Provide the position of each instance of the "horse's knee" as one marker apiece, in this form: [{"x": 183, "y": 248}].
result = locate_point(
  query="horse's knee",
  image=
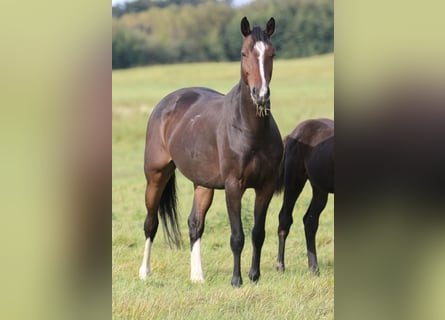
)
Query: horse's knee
[
  {"x": 237, "y": 242},
  {"x": 258, "y": 236},
  {"x": 285, "y": 221}
]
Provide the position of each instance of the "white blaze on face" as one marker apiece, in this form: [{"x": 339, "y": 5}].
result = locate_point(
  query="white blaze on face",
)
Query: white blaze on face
[
  {"x": 261, "y": 47},
  {"x": 196, "y": 274},
  {"x": 144, "y": 270}
]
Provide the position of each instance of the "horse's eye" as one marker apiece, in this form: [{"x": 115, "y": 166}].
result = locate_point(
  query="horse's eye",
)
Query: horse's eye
[{"x": 243, "y": 54}]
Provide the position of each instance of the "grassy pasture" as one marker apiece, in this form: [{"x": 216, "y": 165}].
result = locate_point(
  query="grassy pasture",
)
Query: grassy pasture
[{"x": 300, "y": 89}]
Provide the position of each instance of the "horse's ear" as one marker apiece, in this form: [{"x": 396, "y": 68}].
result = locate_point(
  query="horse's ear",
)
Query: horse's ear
[
  {"x": 245, "y": 27},
  {"x": 270, "y": 27}
]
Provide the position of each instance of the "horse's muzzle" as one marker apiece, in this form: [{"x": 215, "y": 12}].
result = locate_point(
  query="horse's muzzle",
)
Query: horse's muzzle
[{"x": 259, "y": 96}]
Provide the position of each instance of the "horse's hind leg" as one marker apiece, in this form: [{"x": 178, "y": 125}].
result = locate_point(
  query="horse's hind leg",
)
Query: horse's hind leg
[
  {"x": 201, "y": 203},
  {"x": 310, "y": 220},
  {"x": 156, "y": 182},
  {"x": 294, "y": 183}
]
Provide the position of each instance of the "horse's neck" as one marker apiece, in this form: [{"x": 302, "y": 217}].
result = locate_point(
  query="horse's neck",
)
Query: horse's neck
[{"x": 242, "y": 111}]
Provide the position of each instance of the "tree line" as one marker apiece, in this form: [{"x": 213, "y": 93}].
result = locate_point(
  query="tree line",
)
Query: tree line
[{"x": 154, "y": 32}]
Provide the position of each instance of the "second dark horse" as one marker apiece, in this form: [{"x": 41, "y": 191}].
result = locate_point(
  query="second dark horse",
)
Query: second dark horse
[{"x": 308, "y": 155}]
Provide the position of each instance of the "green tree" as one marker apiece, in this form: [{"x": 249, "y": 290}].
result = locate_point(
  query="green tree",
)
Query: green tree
[
  {"x": 202, "y": 30},
  {"x": 126, "y": 46}
]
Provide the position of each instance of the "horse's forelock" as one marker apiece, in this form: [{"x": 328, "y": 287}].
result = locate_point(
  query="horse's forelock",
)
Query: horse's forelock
[{"x": 259, "y": 35}]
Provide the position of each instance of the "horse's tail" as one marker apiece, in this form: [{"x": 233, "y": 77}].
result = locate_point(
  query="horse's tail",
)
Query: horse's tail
[
  {"x": 169, "y": 214},
  {"x": 279, "y": 186}
]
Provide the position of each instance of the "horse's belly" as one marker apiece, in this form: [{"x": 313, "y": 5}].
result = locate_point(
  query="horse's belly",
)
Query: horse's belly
[
  {"x": 198, "y": 161},
  {"x": 205, "y": 173}
]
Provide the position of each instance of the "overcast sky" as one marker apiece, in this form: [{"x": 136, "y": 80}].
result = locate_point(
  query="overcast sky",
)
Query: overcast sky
[{"x": 236, "y": 2}]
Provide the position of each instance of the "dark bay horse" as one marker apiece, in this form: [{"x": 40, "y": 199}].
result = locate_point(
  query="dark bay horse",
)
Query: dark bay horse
[
  {"x": 308, "y": 155},
  {"x": 217, "y": 141}
]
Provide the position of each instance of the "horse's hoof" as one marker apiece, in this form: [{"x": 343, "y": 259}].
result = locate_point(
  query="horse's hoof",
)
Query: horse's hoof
[
  {"x": 279, "y": 267},
  {"x": 143, "y": 273},
  {"x": 254, "y": 276},
  {"x": 237, "y": 282},
  {"x": 314, "y": 271},
  {"x": 197, "y": 279}
]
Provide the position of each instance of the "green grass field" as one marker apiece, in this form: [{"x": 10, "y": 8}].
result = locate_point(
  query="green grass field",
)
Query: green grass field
[{"x": 300, "y": 89}]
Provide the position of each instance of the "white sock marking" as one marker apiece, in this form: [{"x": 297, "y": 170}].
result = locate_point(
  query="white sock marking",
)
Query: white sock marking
[
  {"x": 196, "y": 274},
  {"x": 144, "y": 270},
  {"x": 260, "y": 46}
]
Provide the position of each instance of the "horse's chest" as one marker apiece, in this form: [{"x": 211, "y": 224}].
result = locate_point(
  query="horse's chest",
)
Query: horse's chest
[{"x": 257, "y": 167}]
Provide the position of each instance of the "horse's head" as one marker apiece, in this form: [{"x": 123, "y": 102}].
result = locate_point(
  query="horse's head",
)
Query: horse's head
[{"x": 257, "y": 55}]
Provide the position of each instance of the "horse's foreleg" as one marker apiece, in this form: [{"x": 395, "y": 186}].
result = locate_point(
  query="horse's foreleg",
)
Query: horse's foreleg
[
  {"x": 233, "y": 201},
  {"x": 310, "y": 220},
  {"x": 262, "y": 200},
  {"x": 293, "y": 187},
  {"x": 201, "y": 203}
]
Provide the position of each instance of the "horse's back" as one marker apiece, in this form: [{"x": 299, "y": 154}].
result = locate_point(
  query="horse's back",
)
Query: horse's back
[
  {"x": 185, "y": 99},
  {"x": 313, "y": 131},
  {"x": 180, "y": 107},
  {"x": 314, "y": 140}
]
